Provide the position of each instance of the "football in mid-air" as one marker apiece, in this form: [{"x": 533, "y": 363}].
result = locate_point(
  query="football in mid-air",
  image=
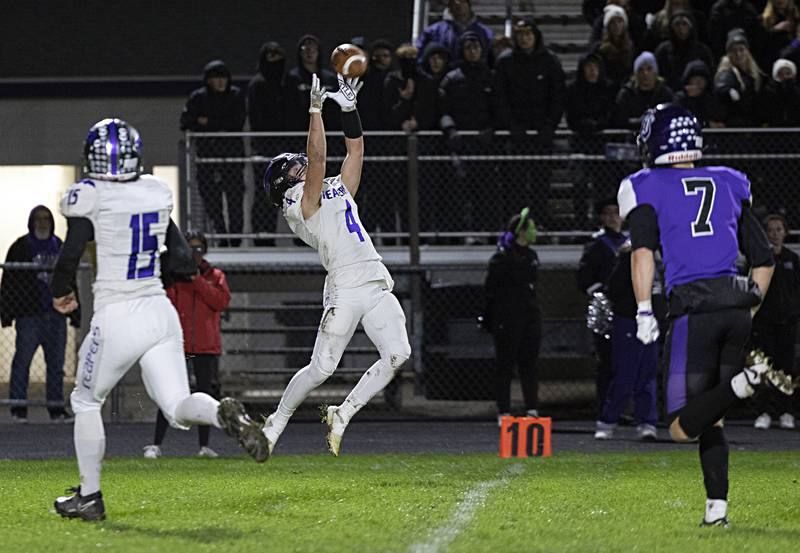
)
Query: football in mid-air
[{"x": 349, "y": 60}]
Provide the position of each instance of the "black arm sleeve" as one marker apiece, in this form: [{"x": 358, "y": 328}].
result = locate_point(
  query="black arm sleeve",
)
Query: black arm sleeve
[
  {"x": 79, "y": 231},
  {"x": 351, "y": 124},
  {"x": 752, "y": 240},
  {"x": 644, "y": 227},
  {"x": 178, "y": 259}
]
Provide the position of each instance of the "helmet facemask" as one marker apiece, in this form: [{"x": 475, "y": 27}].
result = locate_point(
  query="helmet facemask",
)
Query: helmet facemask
[{"x": 112, "y": 151}]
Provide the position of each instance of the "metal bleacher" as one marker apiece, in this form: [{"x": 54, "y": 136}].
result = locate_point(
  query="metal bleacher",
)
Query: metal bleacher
[{"x": 562, "y": 24}]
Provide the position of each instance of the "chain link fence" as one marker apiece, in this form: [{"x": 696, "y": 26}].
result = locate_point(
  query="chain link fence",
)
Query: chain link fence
[
  {"x": 464, "y": 192},
  {"x": 38, "y": 346}
]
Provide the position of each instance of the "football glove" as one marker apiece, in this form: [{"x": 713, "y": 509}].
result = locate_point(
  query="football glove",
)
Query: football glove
[
  {"x": 646, "y": 327},
  {"x": 318, "y": 95},
  {"x": 346, "y": 95}
]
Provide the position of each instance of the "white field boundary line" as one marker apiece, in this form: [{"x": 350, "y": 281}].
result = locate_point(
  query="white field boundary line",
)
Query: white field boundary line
[{"x": 475, "y": 498}]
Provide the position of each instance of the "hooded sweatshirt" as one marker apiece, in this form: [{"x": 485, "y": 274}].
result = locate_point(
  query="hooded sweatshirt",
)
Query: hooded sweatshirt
[
  {"x": 25, "y": 292},
  {"x": 465, "y": 93},
  {"x": 370, "y": 99},
  {"x": 704, "y": 106},
  {"x": 423, "y": 104},
  {"x": 590, "y": 106},
  {"x": 264, "y": 91},
  {"x": 447, "y": 32},
  {"x": 529, "y": 87},
  {"x": 673, "y": 55},
  {"x": 296, "y": 87},
  {"x": 225, "y": 110}
]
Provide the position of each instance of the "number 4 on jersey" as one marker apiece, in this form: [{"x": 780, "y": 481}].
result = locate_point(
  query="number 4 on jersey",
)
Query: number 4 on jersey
[{"x": 350, "y": 221}]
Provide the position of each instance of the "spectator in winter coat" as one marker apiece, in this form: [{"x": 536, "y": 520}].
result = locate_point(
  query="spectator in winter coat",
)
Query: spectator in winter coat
[
  {"x": 457, "y": 19},
  {"x": 779, "y": 101},
  {"x": 590, "y": 98},
  {"x": 529, "y": 86},
  {"x": 512, "y": 313},
  {"x": 465, "y": 93},
  {"x": 682, "y": 47},
  {"x": 265, "y": 114},
  {"x": 218, "y": 106},
  {"x": 616, "y": 48},
  {"x": 500, "y": 45},
  {"x": 25, "y": 298},
  {"x": 738, "y": 82},
  {"x": 661, "y": 28},
  {"x": 779, "y": 23},
  {"x": 727, "y": 15},
  {"x": 264, "y": 90},
  {"x": 409, "y": 93},
  {"x": 644, "y": 91},
  {"x": 775, "y": 325},
  {"x": 696, "y": 94},
  {"x": 370, "y": 99},
  {"x": 635, "y": 23},
  {"x": 199, "y": 303},
  {"x": 297, "y": 83}
]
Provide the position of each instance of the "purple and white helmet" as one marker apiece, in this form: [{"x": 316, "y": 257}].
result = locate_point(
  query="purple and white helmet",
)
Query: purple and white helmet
[
  {"x": 669, "y": 134},
  {"x": 112, "y": 151}
]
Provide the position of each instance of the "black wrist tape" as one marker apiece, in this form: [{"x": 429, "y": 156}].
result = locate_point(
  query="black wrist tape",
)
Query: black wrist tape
[{"x": 351, "y": 124}]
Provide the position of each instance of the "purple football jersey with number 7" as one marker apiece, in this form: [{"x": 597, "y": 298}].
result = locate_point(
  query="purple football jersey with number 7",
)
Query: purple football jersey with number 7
[{"x": 698, "y": 213}]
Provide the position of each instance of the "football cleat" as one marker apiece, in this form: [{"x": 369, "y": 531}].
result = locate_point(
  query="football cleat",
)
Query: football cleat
[
  {"x": 760, "y": 372},
  {"x": 722, "y": 522},
  {"x": 336, "y": 427},
  {"x": 90, "y": 508},
  {"x": 267, "y": 430},
  {"x": 236, "y": 423},
  {"x": 152, "y": 452},
  {"x": 207, "y": 452}
]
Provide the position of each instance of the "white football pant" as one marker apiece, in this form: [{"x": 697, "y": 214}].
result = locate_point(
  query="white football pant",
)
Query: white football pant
[{"x": 385, "y": 324}]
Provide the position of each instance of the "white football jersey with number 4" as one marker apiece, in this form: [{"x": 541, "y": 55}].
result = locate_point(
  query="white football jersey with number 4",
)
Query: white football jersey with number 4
[
  {"x": 335, "y": 231},
  {"x": 130, "y": 222}
]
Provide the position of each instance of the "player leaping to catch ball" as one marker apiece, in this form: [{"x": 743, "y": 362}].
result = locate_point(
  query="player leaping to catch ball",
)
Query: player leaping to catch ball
[
  {"x": 127, "y": 214},
  {"x": 700, "y": 218},
  {"x": 322, "y": 212}
]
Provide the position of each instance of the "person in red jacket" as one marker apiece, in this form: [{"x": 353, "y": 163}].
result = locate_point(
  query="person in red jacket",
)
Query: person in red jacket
[{"x": 199, "y": 302}]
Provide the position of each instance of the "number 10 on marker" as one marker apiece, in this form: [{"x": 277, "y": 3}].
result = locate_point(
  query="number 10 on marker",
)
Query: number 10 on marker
[{"x": 525, "y": 437}]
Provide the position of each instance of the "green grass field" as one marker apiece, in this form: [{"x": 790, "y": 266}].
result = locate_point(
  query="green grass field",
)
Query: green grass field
[{"x": 408, "y": 503}]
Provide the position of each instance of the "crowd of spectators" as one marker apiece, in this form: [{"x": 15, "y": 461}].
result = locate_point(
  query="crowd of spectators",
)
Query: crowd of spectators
[
  {"x": 725, "y": 58},
  {"x": 731, "y": 62}
]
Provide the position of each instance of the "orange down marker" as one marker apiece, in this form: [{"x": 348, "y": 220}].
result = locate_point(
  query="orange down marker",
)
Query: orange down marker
[{"x": 525, "y": 437}]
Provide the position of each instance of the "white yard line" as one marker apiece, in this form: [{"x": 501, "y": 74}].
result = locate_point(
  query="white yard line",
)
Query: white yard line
[{"x": 475, "y": 497}]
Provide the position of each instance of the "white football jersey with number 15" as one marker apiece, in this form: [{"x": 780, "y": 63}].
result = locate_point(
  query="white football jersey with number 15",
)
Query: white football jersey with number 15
[
  {"x": 130, "y": 222},
  {"x": 335, "y": 231}
]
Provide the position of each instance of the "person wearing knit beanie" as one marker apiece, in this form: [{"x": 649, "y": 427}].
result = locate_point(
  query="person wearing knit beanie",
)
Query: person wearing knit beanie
[
  {"x": 781, "y": 64},
  {"x": 611, "y": 11},
  {"x": 736, "y": 36},
  {"x": 645, "y": 58}
]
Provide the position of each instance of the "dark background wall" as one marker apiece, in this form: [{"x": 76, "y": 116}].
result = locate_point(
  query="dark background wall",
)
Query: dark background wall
[
  {"x": 175, "y": 38},
  {"x": 56, "y": 54}
]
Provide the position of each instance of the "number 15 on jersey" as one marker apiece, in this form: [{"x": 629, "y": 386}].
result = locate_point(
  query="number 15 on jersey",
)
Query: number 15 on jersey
[{"x": 143, "y": 241}]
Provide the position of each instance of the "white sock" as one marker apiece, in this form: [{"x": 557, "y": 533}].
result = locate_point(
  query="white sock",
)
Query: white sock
[
  {"x": 198, "y": 408},
  {"x": 373, "y": 381},
  {"x": 301, "y": 384},
  {"x": 716, "y": 509},
  {"x": 741, "y": 387},
  {"x": 90, "y": 446}
]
